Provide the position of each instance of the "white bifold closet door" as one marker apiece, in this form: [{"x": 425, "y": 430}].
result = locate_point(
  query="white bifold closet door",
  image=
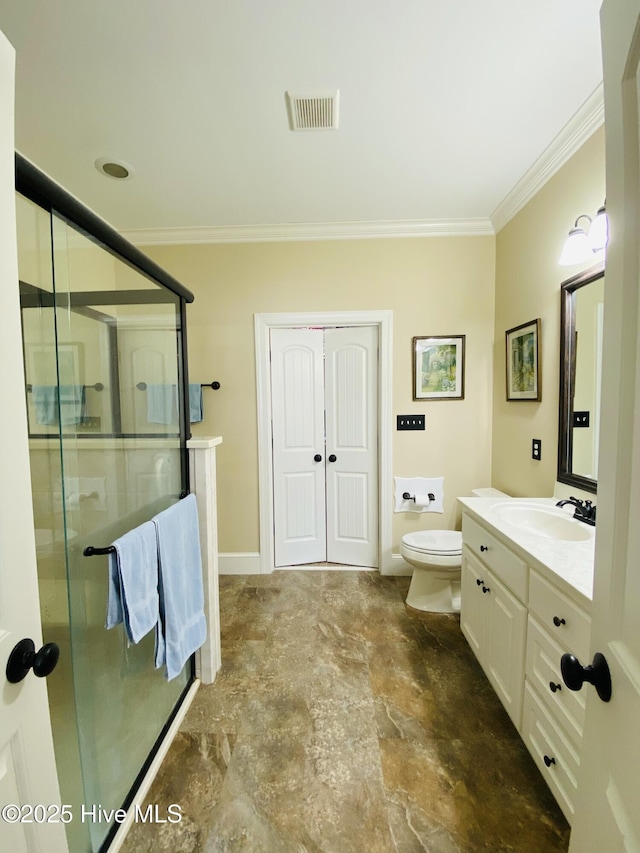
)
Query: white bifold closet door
[{"x": 324, "y": 385}]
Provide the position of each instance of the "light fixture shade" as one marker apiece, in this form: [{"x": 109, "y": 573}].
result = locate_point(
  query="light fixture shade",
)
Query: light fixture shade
[
  {"x": 599, "y": 231},
  {"x": 577, "y": 248}
]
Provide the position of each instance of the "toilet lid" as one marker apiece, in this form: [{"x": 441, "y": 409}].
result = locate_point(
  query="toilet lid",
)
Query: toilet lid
[{"x": 447, "y": 542}]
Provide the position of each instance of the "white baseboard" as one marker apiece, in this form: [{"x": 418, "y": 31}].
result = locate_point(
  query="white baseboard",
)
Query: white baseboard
[
  {"x": 239, "y": 563},
  {"x": 249, "y": 563},
  {"x": 398, "y": 567}
]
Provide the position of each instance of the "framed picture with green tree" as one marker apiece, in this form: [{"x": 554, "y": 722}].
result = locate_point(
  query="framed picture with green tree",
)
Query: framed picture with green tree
[
  {"x": 523, "y": 363},
  {"x": 438, "y": 367}
]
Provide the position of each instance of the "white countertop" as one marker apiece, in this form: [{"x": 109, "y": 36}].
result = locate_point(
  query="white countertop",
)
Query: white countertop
[{"x": 568, "y": 564}]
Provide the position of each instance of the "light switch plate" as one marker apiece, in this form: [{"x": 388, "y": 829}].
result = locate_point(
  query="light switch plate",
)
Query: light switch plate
[{"x": 410, "y": 422}]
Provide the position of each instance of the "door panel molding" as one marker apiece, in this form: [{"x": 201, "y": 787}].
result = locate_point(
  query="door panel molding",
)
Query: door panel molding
[{"x": 263, "y": 323}]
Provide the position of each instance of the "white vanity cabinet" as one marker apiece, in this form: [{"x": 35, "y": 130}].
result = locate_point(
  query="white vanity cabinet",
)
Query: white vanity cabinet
[
  {"x": 520, "y": 618},
  {"x": 553, "y": 715},
  {"x": 494, "y": 616}
]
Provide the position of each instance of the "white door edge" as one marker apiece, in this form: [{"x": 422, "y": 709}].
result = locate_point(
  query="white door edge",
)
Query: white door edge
[{"x": 263, "y": 323}]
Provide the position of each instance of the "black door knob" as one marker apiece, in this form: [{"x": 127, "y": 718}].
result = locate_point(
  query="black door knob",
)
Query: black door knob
[
  {"x": 24, "y": 657},
  {"x": 553, "y": 687},
  {"x": 333, "y": 457},
  {"x": 574, "y": 674},
  {"x": 549, "y": 761},
  {"x": 317, "y": 458},
  {"x": 557, "y": 621}
]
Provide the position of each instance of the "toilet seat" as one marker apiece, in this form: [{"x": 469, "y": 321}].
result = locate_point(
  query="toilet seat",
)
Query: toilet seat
[{"x": 437, "y": 543}]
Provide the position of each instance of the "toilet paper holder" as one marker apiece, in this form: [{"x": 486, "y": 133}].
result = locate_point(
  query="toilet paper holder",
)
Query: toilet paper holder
[{"x": 408, "y": 497}]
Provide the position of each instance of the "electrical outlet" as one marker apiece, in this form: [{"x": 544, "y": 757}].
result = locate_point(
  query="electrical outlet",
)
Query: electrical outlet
[
  {"x": 410, "y": 422},
  {"x": 581, "y": 419},
  {"x": 536, "y": 448}
]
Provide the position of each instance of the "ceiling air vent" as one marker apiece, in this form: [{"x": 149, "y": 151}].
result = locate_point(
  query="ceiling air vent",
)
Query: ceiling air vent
[{"x": 317, "y": 110}]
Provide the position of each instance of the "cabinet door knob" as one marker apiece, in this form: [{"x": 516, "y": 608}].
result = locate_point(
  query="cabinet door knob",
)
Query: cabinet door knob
[
  {"x": 557, "y": 621},
  {"x": 486, "y": 589},
  {"x": 479, "y": 582},
  {"x": 553, "y": 687},
  {"x": 333, "y": 457},
  {"x": 549, "y": 761},
  {"x": 484, "y": 547},
  {"x": 574, "y": 674},
  {"x": 317, "y": 458}
]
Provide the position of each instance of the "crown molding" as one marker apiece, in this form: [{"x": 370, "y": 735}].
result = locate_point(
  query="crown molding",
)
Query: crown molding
[
  {"x": 575, "y": 133},
  {"x": 310, "y": 231}
]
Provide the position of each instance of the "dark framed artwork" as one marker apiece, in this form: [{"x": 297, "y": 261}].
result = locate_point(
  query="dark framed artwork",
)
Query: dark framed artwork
[
  {"x": 523, "y": 361},
  {"x": 438, "y": 367}
]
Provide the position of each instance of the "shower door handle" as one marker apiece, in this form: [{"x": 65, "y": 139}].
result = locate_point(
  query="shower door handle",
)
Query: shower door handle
[{"x": 24, "y": 656}]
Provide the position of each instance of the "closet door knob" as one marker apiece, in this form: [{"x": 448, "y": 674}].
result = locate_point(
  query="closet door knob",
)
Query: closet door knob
[
  {"x": 333, "y": 457},
  {"x": 317, "y": 458},
  {"x": 24, "y": 656}
]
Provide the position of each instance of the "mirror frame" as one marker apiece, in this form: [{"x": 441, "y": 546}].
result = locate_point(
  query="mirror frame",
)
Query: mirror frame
[{"x": 567, "y": 377}]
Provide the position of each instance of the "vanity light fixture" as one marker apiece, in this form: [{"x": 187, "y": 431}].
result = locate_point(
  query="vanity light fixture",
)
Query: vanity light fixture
[{"x": 583, "y": 245}]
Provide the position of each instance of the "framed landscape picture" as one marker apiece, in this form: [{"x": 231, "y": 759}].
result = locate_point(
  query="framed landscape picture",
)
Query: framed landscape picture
[
  {"x": 523, "y": 373},
  {"x": 438, "y": 367}
]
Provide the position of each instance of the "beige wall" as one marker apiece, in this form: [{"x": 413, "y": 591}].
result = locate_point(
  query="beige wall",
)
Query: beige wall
[
  {"x": 528, "y": 280},
  {"x": 435, "y": 286}
]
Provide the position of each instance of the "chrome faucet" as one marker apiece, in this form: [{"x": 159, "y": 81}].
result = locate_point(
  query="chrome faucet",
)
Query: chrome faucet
[{"x": 584, "y": 510}]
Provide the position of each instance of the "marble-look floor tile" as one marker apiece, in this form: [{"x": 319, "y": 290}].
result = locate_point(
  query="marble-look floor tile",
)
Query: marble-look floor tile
[{"x": 343, "y": 721}]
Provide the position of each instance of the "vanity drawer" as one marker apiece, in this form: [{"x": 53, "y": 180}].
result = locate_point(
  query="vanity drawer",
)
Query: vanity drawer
[
  {"x": 542, "y": 670},
  {"x": 557, "y": 759},
  {"x": 510, "y": 569},
  {"x": 565, "y": 621}
]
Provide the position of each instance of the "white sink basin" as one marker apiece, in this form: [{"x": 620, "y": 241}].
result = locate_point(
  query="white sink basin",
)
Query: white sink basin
[{"x": 548, "y": 521}]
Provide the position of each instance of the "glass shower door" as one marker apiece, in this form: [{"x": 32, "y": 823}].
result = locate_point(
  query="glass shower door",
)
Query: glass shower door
[
  {"x": 103, "y": 360},
  {"x": 118, "y": 339}
]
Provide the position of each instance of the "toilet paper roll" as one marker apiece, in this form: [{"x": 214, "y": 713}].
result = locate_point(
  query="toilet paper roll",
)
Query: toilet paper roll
[{"x": 422, "y": 500}]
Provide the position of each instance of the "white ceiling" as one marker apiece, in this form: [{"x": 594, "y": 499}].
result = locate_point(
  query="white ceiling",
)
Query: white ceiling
[{"x": 444, "y": 106}]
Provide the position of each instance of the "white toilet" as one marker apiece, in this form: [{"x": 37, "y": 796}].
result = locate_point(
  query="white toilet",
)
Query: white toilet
[{"x": 436, "y": 557}]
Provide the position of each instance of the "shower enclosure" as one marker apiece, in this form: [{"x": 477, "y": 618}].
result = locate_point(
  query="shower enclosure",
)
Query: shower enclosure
[{"x": 106, "y": 388}]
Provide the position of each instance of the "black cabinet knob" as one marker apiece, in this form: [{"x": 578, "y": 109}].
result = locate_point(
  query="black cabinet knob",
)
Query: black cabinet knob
[
  {"x": 24, "y": 657},
  {"x": 574, "y": 674},
  {"x": 557, "y": 621},
  {"x": 553, "y": 687},
  {"x": 549, "y": 761},
  {"x": 332, "y": 458},
  {"x": 486, "y": 589},
  {"x": 484, "y": 547},
  {"x": 479, "y": 582},
  {"x": 317, "y": 458}
]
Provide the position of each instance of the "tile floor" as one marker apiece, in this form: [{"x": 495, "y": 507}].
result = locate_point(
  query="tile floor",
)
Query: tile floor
[{"x": 344, "y": 722}]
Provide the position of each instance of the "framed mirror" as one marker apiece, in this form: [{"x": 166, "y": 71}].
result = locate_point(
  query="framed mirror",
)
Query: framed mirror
[{"x": 581, "y": 319}]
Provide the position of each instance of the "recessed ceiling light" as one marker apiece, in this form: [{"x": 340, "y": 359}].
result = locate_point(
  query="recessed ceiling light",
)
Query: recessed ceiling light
[{"x": 114, "y": 168}]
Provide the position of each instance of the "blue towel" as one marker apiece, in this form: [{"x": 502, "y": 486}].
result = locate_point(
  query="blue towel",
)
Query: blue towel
[
  {"x": 72, "y": 404},
  {"x": 183, "y": 623},
  {"x": 195, "y": 402},
  {"x": 162, "y": 404},
  {"x": 45, "y": 400},
  {"x": 133, "y": 582}
]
